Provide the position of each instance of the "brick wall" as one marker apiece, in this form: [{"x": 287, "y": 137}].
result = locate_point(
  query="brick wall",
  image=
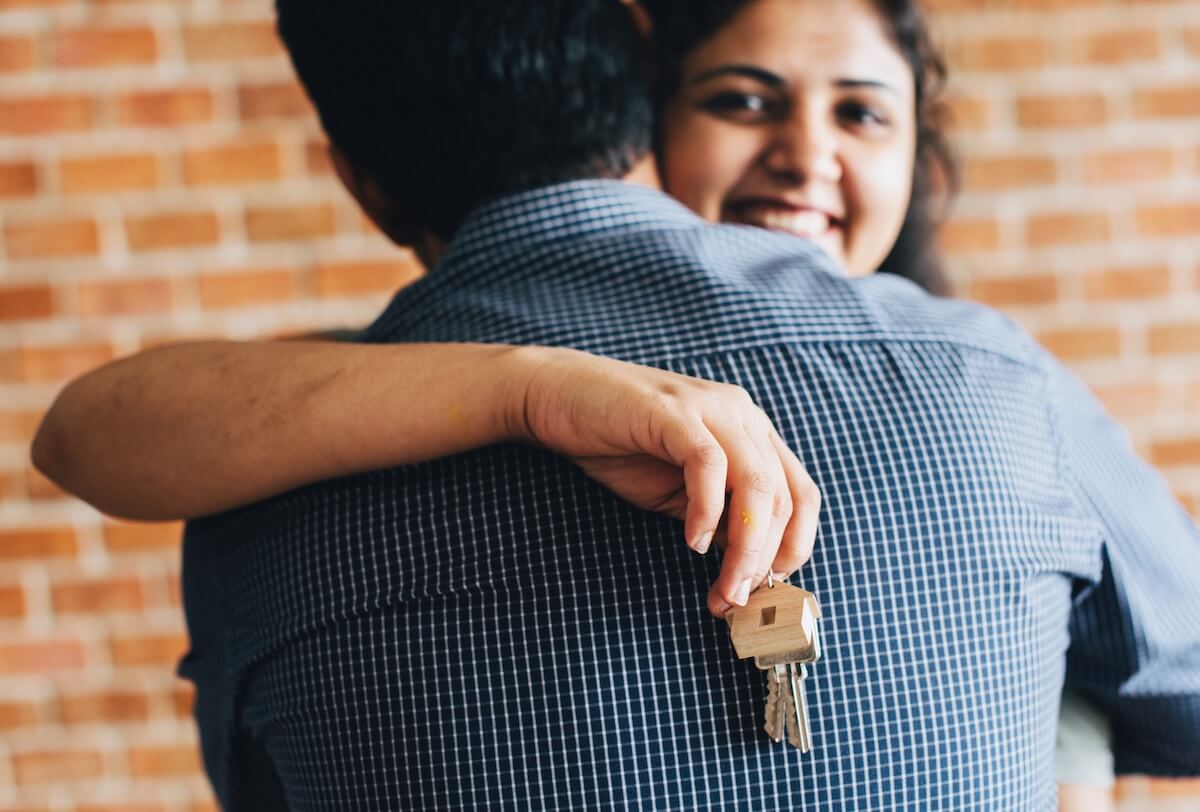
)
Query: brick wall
[{"x": 161, "y": 176}]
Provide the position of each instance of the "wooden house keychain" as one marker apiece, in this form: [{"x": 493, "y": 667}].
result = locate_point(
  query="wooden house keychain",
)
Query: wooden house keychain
[{"x": 778, "y": 628}]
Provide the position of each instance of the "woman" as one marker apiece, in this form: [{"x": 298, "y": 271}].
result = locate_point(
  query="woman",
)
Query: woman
[{"x": 815, "y": 118}]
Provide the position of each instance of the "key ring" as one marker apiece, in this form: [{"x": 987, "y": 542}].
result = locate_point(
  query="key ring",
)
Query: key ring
[{"x": 770, "y": 580}]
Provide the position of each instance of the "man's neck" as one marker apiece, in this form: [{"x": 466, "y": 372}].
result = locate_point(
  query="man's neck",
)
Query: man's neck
[
  {"x": 645, "y": 173},
  {"x": 429, "y": 247}
]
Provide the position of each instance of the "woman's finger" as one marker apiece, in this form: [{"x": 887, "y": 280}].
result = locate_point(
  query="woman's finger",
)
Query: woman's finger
[
  {"x": 705, "y": 465},
  {"x": 754, "y": 483},
  {"x": 782, "y": 510},
  {"x": 800, "y": 534}
]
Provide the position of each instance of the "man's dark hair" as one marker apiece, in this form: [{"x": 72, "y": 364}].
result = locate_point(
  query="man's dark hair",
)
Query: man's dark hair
[{"x": 447, "y": 103}]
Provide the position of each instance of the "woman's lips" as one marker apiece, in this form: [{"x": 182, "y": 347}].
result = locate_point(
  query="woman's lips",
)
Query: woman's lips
[
  {"x": 810, "y": 223},
  {"x": 801, "y": 221}
]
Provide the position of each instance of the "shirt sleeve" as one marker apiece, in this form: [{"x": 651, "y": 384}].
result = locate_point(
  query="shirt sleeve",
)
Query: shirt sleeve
[{"x": 1135, "y": 635}]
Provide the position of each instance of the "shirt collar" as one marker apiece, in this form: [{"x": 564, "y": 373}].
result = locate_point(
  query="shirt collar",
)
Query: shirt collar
[{"x": 563, "y": 211}]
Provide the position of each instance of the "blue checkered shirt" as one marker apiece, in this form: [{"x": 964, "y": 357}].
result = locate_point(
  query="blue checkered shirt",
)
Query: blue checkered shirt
[{"x": 495, "y": 630}]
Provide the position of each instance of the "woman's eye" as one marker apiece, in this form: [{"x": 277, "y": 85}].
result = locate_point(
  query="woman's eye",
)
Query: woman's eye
[
  {"x": 861, "y": 114},
  {"x": 738, "y": 106}
]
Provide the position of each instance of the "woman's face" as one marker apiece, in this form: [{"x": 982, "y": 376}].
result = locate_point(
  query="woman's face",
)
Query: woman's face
[{"x": 798, "y": 116}]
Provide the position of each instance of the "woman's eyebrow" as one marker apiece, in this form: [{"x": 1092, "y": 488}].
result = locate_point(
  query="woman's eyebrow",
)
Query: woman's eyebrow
[
  {"x": 749, "y": 71},
  {"x": 873, "y": 83}
]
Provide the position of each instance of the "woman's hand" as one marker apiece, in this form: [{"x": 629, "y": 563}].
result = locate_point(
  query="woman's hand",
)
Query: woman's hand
[{"x": 676, "y": 445}]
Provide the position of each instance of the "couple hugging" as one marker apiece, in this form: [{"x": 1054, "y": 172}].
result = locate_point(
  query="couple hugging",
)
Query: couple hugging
[{"x": 458, "y": 581}]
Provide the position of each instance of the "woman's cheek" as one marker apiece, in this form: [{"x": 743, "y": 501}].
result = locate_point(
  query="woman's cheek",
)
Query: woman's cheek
[{"x": 877, "y": 195}]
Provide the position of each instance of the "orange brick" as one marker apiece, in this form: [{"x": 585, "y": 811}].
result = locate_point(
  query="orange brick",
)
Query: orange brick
[
  {"x": 1054, "y": 229},
  {"x": 16, "y": 54},
  {"x": 58, "y": 363},
  {"x": 129, "y": 537},
  {"x": 98, "y": 47},
  {"x": 275, "y": 100},
  {"x": 1003, "y": 291},
  {"x": 18, "y": 179},
  {"x": 1082, "y": 110},
  {"x": 1129, "y": 400},
  {"x": 1191, "y": 39},
  {"x": 46, "y": 239},
  {"x": 18, "y": 427},
  {"x": 125, "y": 296},
  {"x": 274, "y": 223},
  {"x": 175, "y": 591},
  {"x": 163, "y": 761},
  {"x": 11, "y": 485},
  {"x": 34, "y": 657},
  {"x": 999, "y": 53},
  {"x": 235, "y": 164},
  {"x": 1177, "y": 101},
  {"x": 98, "y": 595},
  {"x": 969, "y": 236},
  {"x": 1172, "y": 220},
  {"x": 1083, "y": 343},
  {"x": 22, "y": 302},
  {"x": 1117, "y": 47},
  {"x": 171, "y": 230},
  {"x": 40, "y": 487},
  {"x": 220, "y": 290},
  {"x": 44, "y": 114},
  {"x": 37, "y": 545},
  {"x": 154, "y": 649},
  {"x": 183, "y": 699},
  {"x": 1010, "y": 171},
  {"x": 108, "y": 173},
  {"x": 105, "y": 706},
  {"x": 57, "y": 766},
  {"x": 364, "y": 277},
  {"x": 1127, "y": 283},
  {"x": 12, "y": 602},
  {"x": 1175, "y": 339},
  {"x": 1129, "y": 165},
  {"x": 969, "y": 112},
  {"x": 21, "y": 714},
  {"x": 165, "y": 108},
  {"x": 238, "y": 40},
  {"x": 1184, "y": 451}
]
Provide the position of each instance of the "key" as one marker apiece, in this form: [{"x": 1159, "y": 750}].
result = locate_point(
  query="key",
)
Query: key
[
  {"x": 799, "y": 733},
  {"x": 778, "y": 628},
  {"x": 776, "y": 708}
]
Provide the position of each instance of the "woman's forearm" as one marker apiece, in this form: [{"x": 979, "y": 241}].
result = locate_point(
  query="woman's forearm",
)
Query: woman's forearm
[{"x": 193, "y": 429}]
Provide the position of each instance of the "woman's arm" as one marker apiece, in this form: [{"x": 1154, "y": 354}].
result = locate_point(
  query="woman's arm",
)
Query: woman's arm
[{"x": 192, "y": 429}]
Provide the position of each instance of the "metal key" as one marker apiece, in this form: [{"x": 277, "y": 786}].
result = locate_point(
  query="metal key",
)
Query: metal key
[
  {"x": 776, "y": 720},
  {"x": 799, "y": 734},
  {"x": 778, "y": 627}
]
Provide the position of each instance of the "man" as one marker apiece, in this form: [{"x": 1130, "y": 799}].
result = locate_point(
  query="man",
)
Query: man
[{"x": 495, "y": 630}]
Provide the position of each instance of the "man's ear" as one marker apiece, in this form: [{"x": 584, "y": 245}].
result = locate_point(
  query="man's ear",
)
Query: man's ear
[{"x": 392, "y": 219}]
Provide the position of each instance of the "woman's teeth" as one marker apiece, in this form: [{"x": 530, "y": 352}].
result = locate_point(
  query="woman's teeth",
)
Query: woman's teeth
[{"x": 801, "y": 223}]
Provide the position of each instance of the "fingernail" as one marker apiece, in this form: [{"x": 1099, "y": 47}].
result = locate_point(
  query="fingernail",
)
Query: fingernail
[
  {"x": 743, "y": 593},
  {"x": 702, "y": 545}
]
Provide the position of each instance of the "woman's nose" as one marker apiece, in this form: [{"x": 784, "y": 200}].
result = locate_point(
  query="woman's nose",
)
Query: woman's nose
[{"x": 804, "y": 149}]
